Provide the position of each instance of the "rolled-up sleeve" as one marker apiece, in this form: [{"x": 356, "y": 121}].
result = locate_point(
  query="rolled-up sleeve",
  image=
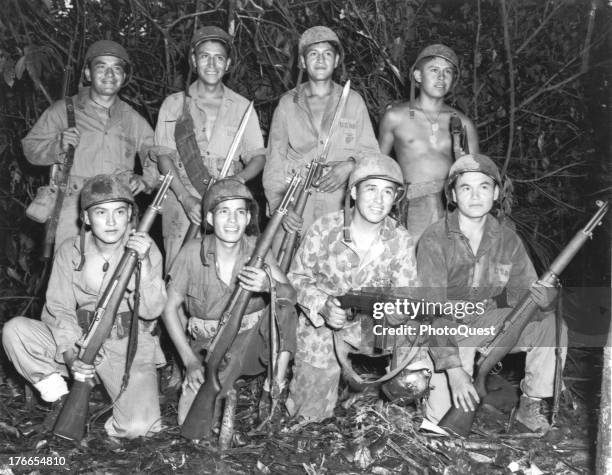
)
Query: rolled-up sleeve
[{"x": 165, "y": 144}]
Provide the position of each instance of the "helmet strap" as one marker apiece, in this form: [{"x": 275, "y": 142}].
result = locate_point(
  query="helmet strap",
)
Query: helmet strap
[{"x": 82, "y": 247}]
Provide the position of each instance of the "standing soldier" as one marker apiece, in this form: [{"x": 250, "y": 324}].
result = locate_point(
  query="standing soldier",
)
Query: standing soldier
[
  {"x": 203, "y": 278},
  {"x": 47, "y": 350},
  {"x": 376, "y": 252},
  {"x": 300, "y": 126},
  {"x": 418, "y": 132},
  {"x": 107, "y": 136},
  {"x": 194, "y": 132}
]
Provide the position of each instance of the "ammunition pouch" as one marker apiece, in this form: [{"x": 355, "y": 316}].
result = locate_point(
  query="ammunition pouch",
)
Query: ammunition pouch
[
  {"x": 121, "y": 326},
  {"x": 189, "y": 151}
]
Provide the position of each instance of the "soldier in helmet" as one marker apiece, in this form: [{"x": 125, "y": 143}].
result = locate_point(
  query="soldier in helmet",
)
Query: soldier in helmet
[
  {"x": 300, "y": 125},
  {"x": 194, "y": 132},
  {"x": 202, "y": 280},
  {"x": 46, "y": 351},
  {"x": 418, "y": 132},
  {"x": 471, "y": 257},
  {"x": 342, "y": 251},
  {"x": 107, "y": 136}
]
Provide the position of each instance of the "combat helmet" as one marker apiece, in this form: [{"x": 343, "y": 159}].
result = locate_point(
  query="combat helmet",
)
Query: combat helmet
[
  {"x": 211, "y": 33},
  {"x": 230, "y": 189},
  {"x": 313, "y": 35},
  {"x": 110, "y": 48},
  {"x": 98, "y": 190},
  {"x": 436, "y": 50},
  {"x": 377, "y": 165},
  {"x": 319, "y": 34},
  {"x": 371, "y": 165},
  {"x": 104, "y": 189},
  {"x": 472, "y": 162}
]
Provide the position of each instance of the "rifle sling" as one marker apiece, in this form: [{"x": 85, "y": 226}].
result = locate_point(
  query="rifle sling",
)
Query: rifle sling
[
  {"x": 133, "y": 337},
  {"x": 342, "y": 351},
  {"x": 188, "y": 149},
  {"x": 62, "y": 182}
]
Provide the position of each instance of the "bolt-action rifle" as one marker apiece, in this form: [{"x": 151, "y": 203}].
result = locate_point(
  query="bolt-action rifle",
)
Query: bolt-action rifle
[
  {"x": 71, "y": 421},
  {"x": 287, "y": 248},
  {"x": 200, "y": 418},
  {"x": 456, "y": 420}
]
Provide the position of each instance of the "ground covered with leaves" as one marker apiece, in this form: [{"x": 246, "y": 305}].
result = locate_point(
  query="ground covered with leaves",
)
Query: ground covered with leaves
[{"x": 366, "y": 435}]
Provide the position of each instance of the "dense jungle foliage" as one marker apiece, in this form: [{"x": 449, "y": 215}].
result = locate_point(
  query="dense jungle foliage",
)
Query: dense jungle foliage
[{"x": 534, "y": 78}]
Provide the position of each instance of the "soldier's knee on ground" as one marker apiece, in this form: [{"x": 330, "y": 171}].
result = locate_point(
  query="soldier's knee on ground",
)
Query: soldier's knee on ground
[{"x": 12, "y": 332}]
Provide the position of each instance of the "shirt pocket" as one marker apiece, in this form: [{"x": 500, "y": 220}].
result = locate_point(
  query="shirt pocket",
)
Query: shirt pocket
[
  {"x": 196, "y": 305},
  {"x": 347, "y": 130},
  {"x": 500, "y": 273}
]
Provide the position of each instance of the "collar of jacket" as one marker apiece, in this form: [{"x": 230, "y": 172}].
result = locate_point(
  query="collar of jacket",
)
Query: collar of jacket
[
  {"x": 299, "y": 93},
  {"x": 208, "y": 250},
  {"x": 83, "y": 101},
  {"x": 491, "y": 231},
  {"x": 386, "y": 233}
]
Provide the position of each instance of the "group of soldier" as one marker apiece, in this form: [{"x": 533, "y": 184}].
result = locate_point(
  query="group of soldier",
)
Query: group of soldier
[{"x": 464, "y": 255}]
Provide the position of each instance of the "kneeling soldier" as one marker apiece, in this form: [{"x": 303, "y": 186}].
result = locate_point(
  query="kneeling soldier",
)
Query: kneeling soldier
[
  {"x": 471, "y": 257},
  {"x": 362, "y": 247},
  {"x": 46, "y": 351},
  {"x": 203, "y": 278}
]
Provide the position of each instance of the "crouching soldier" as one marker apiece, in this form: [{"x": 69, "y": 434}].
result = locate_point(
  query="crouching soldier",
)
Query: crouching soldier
[
  {"x": 45, "y": 352},
  {"x": 343, "y": 251},
  {"x": 203, "y": 278},
  {"x": 472, "y": 257}
]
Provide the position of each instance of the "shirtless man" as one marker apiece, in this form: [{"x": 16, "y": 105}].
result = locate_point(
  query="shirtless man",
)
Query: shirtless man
[{"x": 418, "y": 132}]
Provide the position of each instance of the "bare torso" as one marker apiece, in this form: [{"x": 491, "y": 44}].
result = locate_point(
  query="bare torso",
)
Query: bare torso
[{"x": 422, "y": 145}]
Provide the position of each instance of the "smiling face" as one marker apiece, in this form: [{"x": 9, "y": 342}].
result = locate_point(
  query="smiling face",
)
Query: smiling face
[
  {"x": 435, "y": 76},
  {"x": 211, "y": 61},
  {"x": 319, "y": 60},
  {"x": 109, "y": 221},
  {"x": 474, "y": 193},
  {"x": 229, "y": 220},
  {"x": 106, "y": 74},
  {"x": 374, "y": 198}
]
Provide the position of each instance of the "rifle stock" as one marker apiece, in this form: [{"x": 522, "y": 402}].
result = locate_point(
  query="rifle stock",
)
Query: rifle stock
[
  {"x": 71, "y": 421},
  {"x": 201, "y": 416},
  {"x": 456, "y": 420}
]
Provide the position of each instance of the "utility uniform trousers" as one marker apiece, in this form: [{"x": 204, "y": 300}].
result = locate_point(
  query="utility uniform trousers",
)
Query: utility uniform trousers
[
  {"x": 30, "y": 345},
  {"x": 537, "y": 340}
]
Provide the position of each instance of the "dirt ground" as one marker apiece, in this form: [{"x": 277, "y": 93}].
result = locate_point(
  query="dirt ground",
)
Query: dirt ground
[{"x": 367, "y": 435}]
